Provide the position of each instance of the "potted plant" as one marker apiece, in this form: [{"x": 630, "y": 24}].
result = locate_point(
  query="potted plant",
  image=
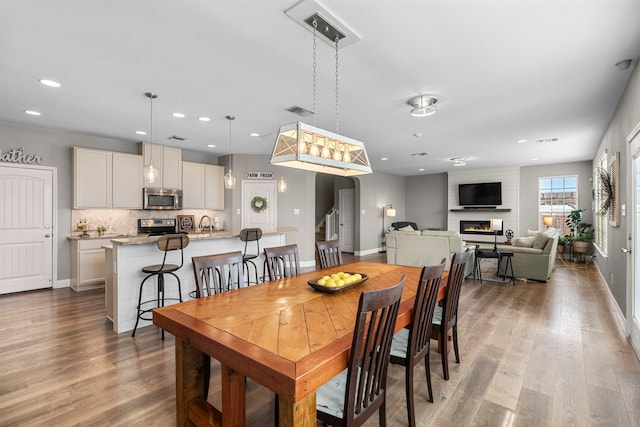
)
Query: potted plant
[
  {"x": 562, "y": 242},
  {"x": 582, "y": 233},
  {"x": 101, "y": 229}
]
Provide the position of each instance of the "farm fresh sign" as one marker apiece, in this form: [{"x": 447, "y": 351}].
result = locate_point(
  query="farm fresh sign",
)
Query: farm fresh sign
[{"x": 17, "y": 155}]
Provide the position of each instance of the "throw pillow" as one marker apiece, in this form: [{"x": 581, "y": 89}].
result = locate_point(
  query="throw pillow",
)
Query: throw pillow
[
  {"x": 540, "y": 241},
  {"x": 533, "y": 233},
  {"x": 524, "y": 242},
  {"x": 406, "y": 228}
]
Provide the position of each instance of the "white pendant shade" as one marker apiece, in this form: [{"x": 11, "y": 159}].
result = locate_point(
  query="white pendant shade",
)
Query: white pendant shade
[
  {"x": 150, "y": 172},
  {"x": 229, "y": 180},
  {"x": 282, "y": 185}
]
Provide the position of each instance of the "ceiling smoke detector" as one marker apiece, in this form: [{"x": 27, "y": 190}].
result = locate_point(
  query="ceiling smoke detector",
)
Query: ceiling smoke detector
[
  {"x": 302, "y": 112},
  {"x": 423, "y": 105}
]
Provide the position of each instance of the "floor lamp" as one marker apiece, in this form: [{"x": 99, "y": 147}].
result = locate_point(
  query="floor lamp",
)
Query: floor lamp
[
  {"x": 496, "y": 225},
  {"x": 387, "y": 211}
]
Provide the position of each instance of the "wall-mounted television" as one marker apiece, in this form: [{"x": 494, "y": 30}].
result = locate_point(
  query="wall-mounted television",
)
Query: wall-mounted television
[{"x": 480, "y": 194}]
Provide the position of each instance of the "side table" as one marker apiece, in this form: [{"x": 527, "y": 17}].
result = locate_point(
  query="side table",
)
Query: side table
[{"x": 500, "y": 256}]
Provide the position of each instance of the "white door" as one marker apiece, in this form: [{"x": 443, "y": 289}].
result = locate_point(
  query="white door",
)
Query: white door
[
  {"x": 26, "y": 229},
  {"x": 633, "y": 225},
  {"x": 255, "y": 216},
  {"x": 346, "y": 215}
]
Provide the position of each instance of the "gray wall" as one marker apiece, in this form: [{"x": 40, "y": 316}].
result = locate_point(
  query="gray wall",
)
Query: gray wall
[
  {"x": 529, "y": 185},
  {"x": 426, "y": 202},
  {"x": 624, "y": 120}
]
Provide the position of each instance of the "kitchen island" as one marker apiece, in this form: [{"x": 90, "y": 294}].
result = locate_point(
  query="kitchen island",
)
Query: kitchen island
[{"x": 125, "y": 258}]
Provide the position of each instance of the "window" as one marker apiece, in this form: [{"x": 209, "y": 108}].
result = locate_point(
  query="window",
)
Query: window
[
  {"x": 557, "y": 197},
  {"x": 600, "y": 219}
]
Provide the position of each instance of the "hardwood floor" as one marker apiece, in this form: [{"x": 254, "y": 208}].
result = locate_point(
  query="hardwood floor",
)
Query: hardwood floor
[{"x": 534, "y": 354}]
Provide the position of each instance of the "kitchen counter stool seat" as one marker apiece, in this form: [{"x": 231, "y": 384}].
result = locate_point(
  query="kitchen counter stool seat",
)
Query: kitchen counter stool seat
[{"x": 166, "y": 243}]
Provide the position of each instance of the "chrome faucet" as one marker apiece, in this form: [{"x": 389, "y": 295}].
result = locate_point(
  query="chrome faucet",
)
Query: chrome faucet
[{"x": 209, "y": 221}]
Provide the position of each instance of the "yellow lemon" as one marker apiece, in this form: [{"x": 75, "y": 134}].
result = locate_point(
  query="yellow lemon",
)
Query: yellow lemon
[
  {"x": 326, "y": 277},
  {"x": 340, "y": 282},
  {"x": 322, "y": 282},
  {"x": 335, "y": 276},
  {"x": 357, "y": 276},
  {"x": 330, "y": 284}
]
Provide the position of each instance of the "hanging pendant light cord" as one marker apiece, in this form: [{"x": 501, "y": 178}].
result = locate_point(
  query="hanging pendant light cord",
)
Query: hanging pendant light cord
[
  {"x": 337, "y": 120},
  {"x": 230, "y": 118},
  {"x": 315, "y": 27}
]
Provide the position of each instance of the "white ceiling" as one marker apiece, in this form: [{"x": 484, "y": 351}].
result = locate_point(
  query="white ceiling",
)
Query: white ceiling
[{"x": 503, "y": 71}]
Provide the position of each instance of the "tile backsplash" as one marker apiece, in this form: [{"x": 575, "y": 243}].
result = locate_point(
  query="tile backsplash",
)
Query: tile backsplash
[{"x": 125, "y": 221}]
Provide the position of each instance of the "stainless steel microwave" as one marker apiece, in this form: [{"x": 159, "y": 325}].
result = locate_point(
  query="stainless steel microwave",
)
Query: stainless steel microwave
[{"x": 161, "y": 198}]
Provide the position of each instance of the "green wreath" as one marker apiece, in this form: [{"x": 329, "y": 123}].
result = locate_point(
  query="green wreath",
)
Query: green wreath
[{"x": 258, "y": 204}]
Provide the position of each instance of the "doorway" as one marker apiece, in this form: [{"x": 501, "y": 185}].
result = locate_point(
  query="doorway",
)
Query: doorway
[
  {"x": 633, "y": 248},
  {"x": 254, "y": 214},
  {"x": 347, "y": 227},
  {"x": 27, "y": 216}
]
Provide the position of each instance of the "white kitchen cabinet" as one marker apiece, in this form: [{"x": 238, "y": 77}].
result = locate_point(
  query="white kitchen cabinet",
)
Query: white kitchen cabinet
[
  {"x": 127, "y": 181},
  {"x": 214, "y": 187},
  {"x": 168, "y": 160},
  {"x": 92, "y": 178},
  {"x": 203, "y": 186},
  {"x": 193, "y": 182},
  {"x": 87, "y": 264}
]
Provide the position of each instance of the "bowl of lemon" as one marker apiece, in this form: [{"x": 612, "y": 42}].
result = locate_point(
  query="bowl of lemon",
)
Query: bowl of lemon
[{"x": 337, "y": 282}]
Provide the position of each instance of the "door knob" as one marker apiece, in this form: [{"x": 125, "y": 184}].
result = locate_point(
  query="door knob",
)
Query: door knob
[
  {"x": 625, "y": 250},
  {"x": 47, "y": 235}
]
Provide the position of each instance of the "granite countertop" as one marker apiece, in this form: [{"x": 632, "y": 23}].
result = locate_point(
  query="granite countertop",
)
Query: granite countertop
[
  {"x": 141, "y": 240},
  {"x": 93, "y": 236}
]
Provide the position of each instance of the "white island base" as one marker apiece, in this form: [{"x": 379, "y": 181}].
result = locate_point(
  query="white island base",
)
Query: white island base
[{"x": 126, "y": 257}]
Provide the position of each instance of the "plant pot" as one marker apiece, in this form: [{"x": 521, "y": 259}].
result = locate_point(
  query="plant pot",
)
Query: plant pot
[
  {"x": 581, "y": 247},
  {"x": 561, "y": 249}
]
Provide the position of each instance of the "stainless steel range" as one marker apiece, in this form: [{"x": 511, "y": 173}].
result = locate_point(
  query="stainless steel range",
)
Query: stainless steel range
[{"x": 156, "y": 227}]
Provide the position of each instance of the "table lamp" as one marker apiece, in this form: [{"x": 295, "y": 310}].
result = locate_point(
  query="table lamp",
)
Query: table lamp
[
  {"x": 547, "y": 220},
  {"x": 496, "y": 225}
]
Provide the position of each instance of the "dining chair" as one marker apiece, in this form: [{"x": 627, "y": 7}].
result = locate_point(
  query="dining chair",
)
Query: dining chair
[
  {"x": 446, "y": 318},
  {"x": 282, "y": 261},
  {"x": 218, "y": 273},
  {"x": 355, "y": 394},
  {"x": 329, "y": 253},
  {"x": 411, "y": 345}
]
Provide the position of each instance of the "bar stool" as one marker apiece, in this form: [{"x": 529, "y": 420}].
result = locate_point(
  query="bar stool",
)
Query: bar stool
[
  {"x": 251, "y": 235},
  {"x": 166, "y": 243}
]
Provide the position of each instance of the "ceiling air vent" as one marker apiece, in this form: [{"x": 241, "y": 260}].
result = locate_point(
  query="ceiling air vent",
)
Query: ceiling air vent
[
  {"x": 177, "y": 138},
  {"x": 420, "y": 154},
  {"x": 546, "y": 140},
  {"x": 302, "y": 112}
]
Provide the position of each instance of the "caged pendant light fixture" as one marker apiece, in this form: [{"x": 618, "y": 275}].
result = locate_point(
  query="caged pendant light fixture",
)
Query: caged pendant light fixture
[
  {"x": 303, "y": 146},
  {"x": 150, "y": 171},
  {"x": 229, "y": 177}
]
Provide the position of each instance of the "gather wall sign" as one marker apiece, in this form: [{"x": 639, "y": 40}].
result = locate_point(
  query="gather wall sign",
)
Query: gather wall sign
[{"x": 17, "y": 155}]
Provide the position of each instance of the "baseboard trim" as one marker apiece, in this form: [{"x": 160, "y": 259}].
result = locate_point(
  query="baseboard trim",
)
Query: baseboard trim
[
  {"x": 367, "y": 252},
  {"x": 64, "y": 283}
]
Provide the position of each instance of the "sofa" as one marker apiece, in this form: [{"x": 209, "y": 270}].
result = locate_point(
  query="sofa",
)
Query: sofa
[
  {"x": 534, "y": 255},
  {"x": 426, "y": 247}
]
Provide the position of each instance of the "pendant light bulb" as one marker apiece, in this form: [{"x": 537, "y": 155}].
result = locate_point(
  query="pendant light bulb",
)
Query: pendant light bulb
[
  {"x": 229, "y": 177},
  {"x": 282, "y": 185}
]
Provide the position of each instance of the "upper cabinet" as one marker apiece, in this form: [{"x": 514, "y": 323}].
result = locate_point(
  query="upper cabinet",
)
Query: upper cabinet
[
  {"x": 127, "y": 181},
  {"x": 103, "y": 179},
  {"x": 168, "y": 160},
  {"x": 92, "y": 178},
  {"x": 203, "y": 186}
]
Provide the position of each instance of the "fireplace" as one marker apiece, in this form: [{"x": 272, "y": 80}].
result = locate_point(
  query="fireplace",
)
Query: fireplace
[{"x": 477, "y": 227}]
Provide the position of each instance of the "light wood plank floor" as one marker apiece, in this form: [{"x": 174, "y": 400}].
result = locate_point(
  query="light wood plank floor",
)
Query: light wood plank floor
[{"x": 534, "y": 354}]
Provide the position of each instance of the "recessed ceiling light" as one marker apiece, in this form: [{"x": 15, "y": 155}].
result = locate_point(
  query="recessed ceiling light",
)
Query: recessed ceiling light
[
  {"x": 384, "y": 158},
  {"x": 178, "y": 115},
  {"x": 254, "y": 134},
  {"x": 204, "y": 119},
  {"x": 421, "y": 170},
  {"x": 211, "y": 146},
  {"x": 459, "y": 161},
  {"x": 520, "y": 141},
  {"x": 141, "y": 132},
  {"x": 32, "y": 113},
  {"x": 534, "y": 159},
  {"x": 50, "y": 83},
  {"x": 417, "y": 134}
]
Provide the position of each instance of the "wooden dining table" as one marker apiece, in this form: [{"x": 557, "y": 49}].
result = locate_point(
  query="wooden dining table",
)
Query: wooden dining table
[{"x": 282, "y": 334}]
